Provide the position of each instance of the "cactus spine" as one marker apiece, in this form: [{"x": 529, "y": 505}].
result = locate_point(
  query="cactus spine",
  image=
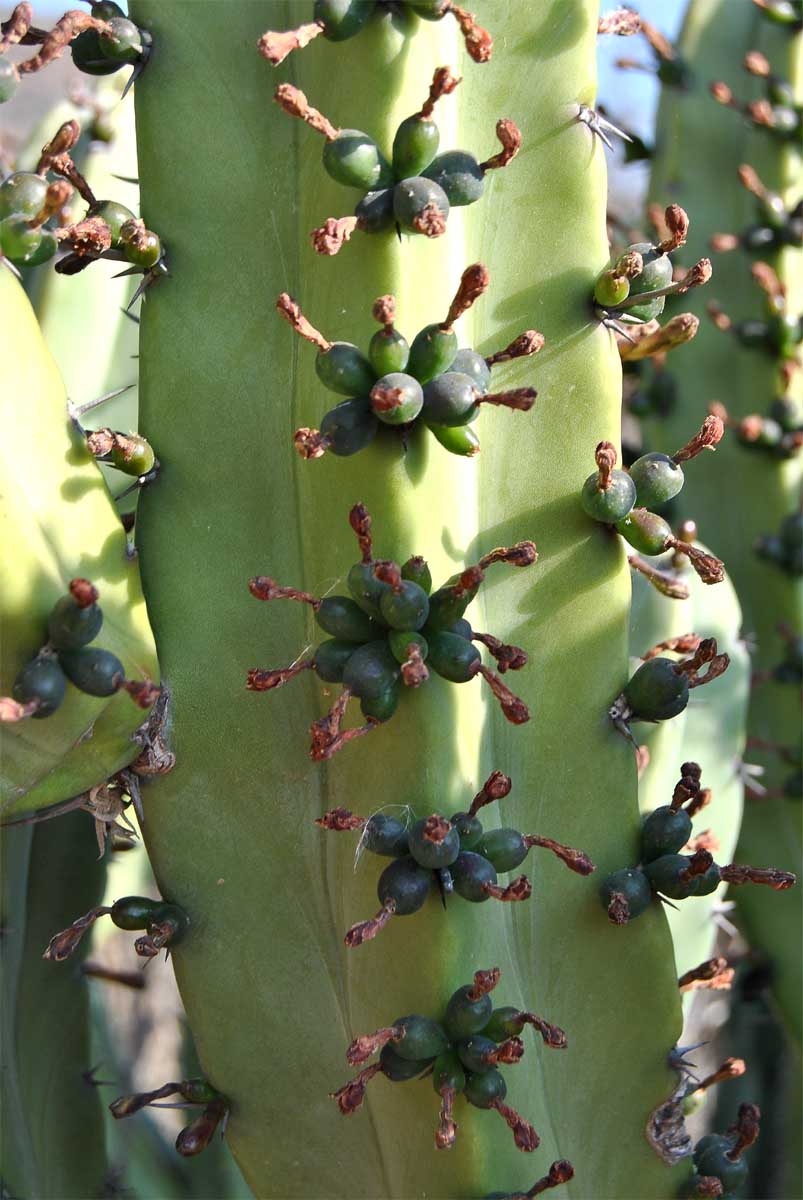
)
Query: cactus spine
[{"x": 271, "y": 995}]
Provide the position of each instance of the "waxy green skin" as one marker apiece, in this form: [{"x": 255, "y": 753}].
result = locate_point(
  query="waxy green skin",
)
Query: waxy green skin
[
  {"x": 236, "y": 145},
  {"x": 702, "y": 141}
]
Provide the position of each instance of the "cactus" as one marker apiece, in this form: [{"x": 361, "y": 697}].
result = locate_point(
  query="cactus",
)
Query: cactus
[
  {"x": 256, "y": 899},
  {"x": 730, "y": 50}
]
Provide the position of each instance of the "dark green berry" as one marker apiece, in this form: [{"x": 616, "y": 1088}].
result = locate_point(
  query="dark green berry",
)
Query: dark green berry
[
  {"x": 645, "y": 531},
  {"x": 450, "y": 399},
  {"x": 47, "y": 249},
  {"x": 414, "y": 146},
  {"x": 140, "y": 246},
  {"x": 466, "y": 1016},
  {"x": 714, "y": 1160},
  {"x": 612, "y": 504},
  {"x": 471, "y": 363},
  {"x": 417, "y": 570},
  {"x": 405, "y": 883},
  {"x": 40, "y": 681},
  {"x": 386, "y": 836},
  {"x": 9, "y": 82},
  {"x": 657, "y": 691},
  {"x": 664, "y": 831},
  {"x": 19, "y": 241},
  {"x": 92, "y": 670},
  {"x": 71, "y": 625},
  {"x": 433, "y": 854},
  {"x": 612, "y": 287},
  {"x": 708, "y": 882},
  {"x": 469, "y": 830},
  {"x": 115, "y": 215},
  {"x": 625, "y": 894},
  {"x": 122, "y": 42},
  {"x": 342, "y": 19},
  {"x": 656, "y": 273},
  {"x": 88, "y": 57},
  {"x": 366, "y": 589},
  {"x": 406, "y": 607},
  {"x": 400, "y": 641},
  {"x": 452, "y": 657},
  {"x": 354, "y": 159},
  {"x": 446, "y": 608},
  {"x": 473, "y": 1053},
  {"x": 374, "y": 212},
  {"x": 470, "y": 872},
  {"x": 345, "y": 369},
  {"x": 382, "y": 707},
  {"x": 485, "y": 1089},
  {"x": 457, "y": 439},
  {"x": 459, "y": 175},
  {"x": 397, "y": 399},
  {"x": 132, "y": 454},
  {"x": 388, "y": 351},
  {"x": 433, "y": 349},
  {"x": 504, "y": 1023},
  {"x": 134, "y": 912},
  {"x": 371, "y": 670},
  {"x": 505, "y": 849},
  {"x": 398, "y": 1069},
  {"x": 658, "y": 479},
  {"x": 420, "y": 206},
  {"x": 666, "y": 874},
  {"x": 331, "y": 658},
  {"x": 447, "y": 1072},
  {"x": 349, "y": 427},
  {"x": 343, "y": 619},
  {"x": 22, "y": 194},
  {"x": 423, "y": 1038}
]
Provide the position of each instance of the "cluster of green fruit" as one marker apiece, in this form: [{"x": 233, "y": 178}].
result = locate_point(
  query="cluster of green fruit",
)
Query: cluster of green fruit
[
  {"x": 779, "y": 333},
  {"x": 386, "y": 635},
  {"x": 777, "y": 434},
  {"x": 776, "y": 225},
  {"x": 453, "y": 854},
  {"x": 779, "y": 112},
  {"x": 339, "y": 20},
  {"x": 109, "y": 230},
  {"x": 784, "y": 548},
  {"x": 664, "y": 872},
  {"x": 634, "y": 288},
  {"x": 121, "y": 44},
  {"x": 196, "y": 1136},
  {"x": 624, "y": 499},
  {"x": 40, "y": 686},
  {"x": 166, "y": 925},
  {"x": 720, "y": 1169},
  {"x": 416, "y": 189},
  {"x": 398, "y": 384},
  {"x": 659, "y": 688},
  {"x": 461, "y": 1052}
]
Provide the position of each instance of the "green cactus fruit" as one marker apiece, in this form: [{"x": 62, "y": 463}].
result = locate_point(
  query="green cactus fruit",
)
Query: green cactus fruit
[
  {"x": 386, "y": 835},
  {"x": 419, "y": 205},
  {"x": 40, "y": 683},
  {"x": 75, "y": 619},
  {"x": 434, "y": 842},
  {"x": 397, "y": 399},
  {"x": 625, "y": 895},
  {"x": 471, "y": 873},
  {"x": 407, "y": 884},
  {"x": 665, "y": 831},
  {"x": 657, "y": 691},
  {"x": 9, "y": 80},
  {"x": 93, "y": 670},
  {"x": 114, "y": 214},
  {"x": 122, "y": 42},
  {"x": 22, "y": 193}
]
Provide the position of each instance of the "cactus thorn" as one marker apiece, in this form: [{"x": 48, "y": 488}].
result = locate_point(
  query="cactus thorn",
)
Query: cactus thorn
[{"x": 601, "y": 126}]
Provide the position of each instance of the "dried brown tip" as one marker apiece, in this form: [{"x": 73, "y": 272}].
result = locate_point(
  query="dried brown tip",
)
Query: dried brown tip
[
  {"x": 436, "y": 829},
  {"x": 761, "y": 113},
  {"x": 708, "y": 437},
  {"x": 529, "y": 342},
  {"x": 618, "y": 909},
  {"x": 275, "y": 47},
  {"x": 768, "y": 280},
  {"x": 687, "y": 786},
  {"x": 12, "y": 711},
  {"x": 779, "y": 881},
  {"x": 288, "y": 308},
  {"x": 709, "y": 1186},
  {"x": 517, "y": 399},
  {"x": 144, "y": 692},
  {"x": 63, "y": 944},
  {"x": 629, "y": 265},
  {"x": 560, "y": 1172},
  {"x": 699, "y": 802},
  {"x": 746, "y": 1128},
  {"x": 685, "y": 643},
  {"x": 553, "y": 1035},
  {"x": 383, "y": 310},
  {"x": 340, "y": 820},
  {"x": 605, "y": 457},
  {"x": 524, "y": 1135},
  {"x": 713, "y": 974},
  {"x": 509, "y": 135},
  {"x": 126, "y": 1106},
  {"x": 575, "y": 860},
  {"x": 522, "y": 554},
  {"x": 414, "y": 670},
  {"x": 720, "y": 319},
  {"x": 330, "y": 237},
  {"x": 661, "y": 45},
  {"x": 363, "y": 1047},
  {"x": 326, "y": 738},
  {"x": 496, "y": 787},
  {"x": 474, "y": 281},
  {"x": 88, "y": 238},
  {"x": 677, "y": 224},
  {"x": 196, "y": 1136},
  {"x": 478, "y": 41},
  {"x": 508, "y": 658},
  {"x": 750, "y": 180},
  {"x": 723, "y": 243},
  {"x": 310, "y": 443},
  {"x": 385, "y": 397},
  {"x": 57, "y": 39},
  {"x": 443, "y": 84},
  {"x": 83, "y": 592},
  {"x": 721, "y": 93},
  {"x": 351, "y": 1095},
  {"x": 651, "y": 338},
  {"x": 446, "y": 1132},
  {"x": 360, "y": 522},
  {"x": 696, "y": 276},
  {"x": 519, "y": 889},
  {"x": 484, "y": 982},
  {"x": 513, "y": 708},
  {"x": 293, "y": 101},
  {"x": 757, "y": 64},
  {"x": 622, "y": 22},
  {"x": 431, "y": 222},
  {"x": 707, "y": 567},
  {"x": 262, "y": 587},
  {"x": 60, "y": 145},
  {"x": 17, "y": 25},
  {"x": 698, "y": 864},
  {"x": 667, "y": 585},
  {"x": 731, "y": 1068},
  {"x": 261, "y": 680},
  {"x": 57, "y": 195},
  {"x": 642, "y": 760},
  {"x": 366, "y": 931}
]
